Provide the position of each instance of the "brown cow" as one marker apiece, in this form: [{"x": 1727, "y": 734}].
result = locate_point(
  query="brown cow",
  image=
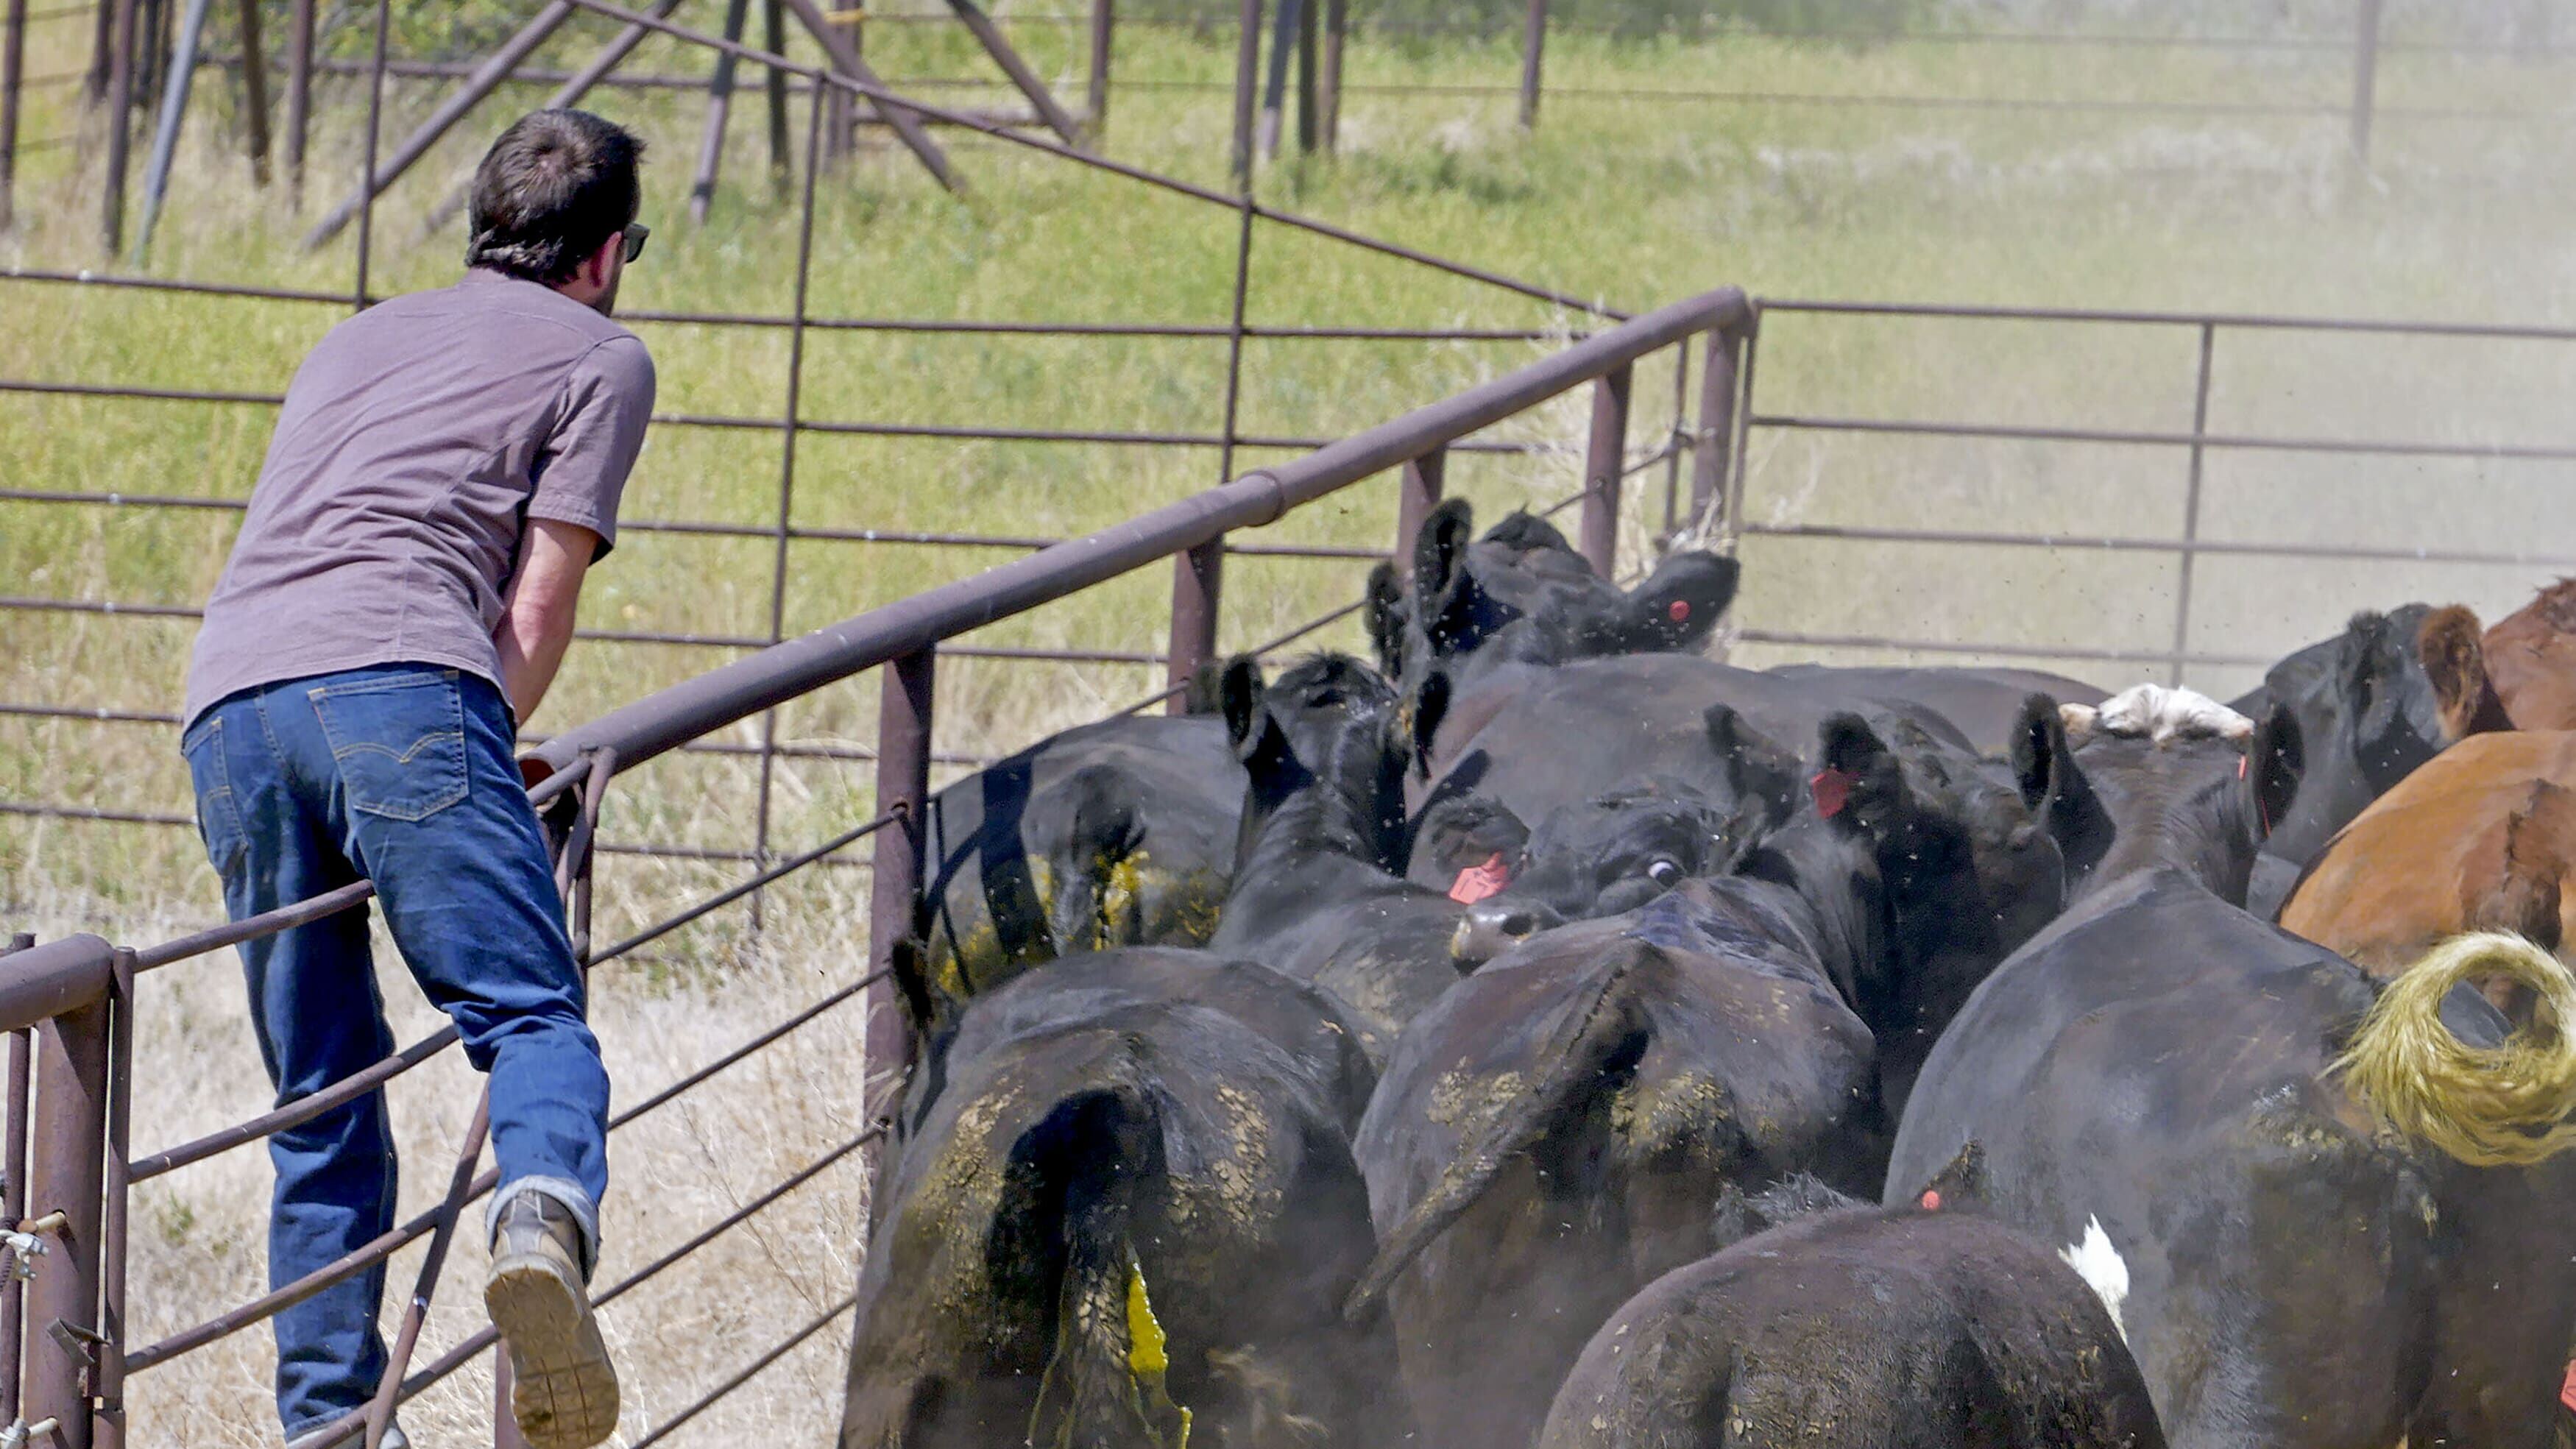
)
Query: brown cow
[
  {"x": 2531, "y": 660},
  {"x": 2480, "y": 837}
]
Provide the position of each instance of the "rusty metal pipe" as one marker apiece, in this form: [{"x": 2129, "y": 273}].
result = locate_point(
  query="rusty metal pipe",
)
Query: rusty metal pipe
[
  {"x": 1424, "y": 479},
  {"x": 68, "y": 1142},
  {"x": 1604, "y": 466},
  {"x": 660, "y": 722},
  {"x": 13, "y": 1208}
]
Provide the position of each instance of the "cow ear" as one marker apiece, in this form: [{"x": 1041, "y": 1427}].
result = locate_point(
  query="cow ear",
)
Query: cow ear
[
  {"x": 1858, "y": 785},
  {"x": 1386, "y": 618},
  {"x": 1441, "y": 546},
  {"x": 1239, "y": 692},
  {"x": 1681, "y": 601},
  {"x": 1757, "y": 769},
  {"x": 2043, "y": 762},
  {"x": 2452, "y": 648},
  {"x": 2274, "y": 761},
  {"x": 1430, "y": 707}
]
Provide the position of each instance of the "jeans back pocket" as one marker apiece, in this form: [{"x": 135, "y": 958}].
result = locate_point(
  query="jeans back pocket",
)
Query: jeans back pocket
[
  {"x": 399, "y": 742},
  {"x": 218, "y": 810}
]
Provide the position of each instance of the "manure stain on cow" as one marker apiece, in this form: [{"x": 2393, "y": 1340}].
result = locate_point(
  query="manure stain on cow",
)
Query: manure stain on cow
[
  {"x": 1460, "y": 1093},
  {"x": 971, "y": 1195},
  {"x": 1675, "y": 1113}
]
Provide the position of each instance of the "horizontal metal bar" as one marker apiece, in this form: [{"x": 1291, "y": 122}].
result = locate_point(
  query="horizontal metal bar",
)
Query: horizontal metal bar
[
  {"x": 674, "y": 1089},
  {"x": 658, "y": 723},
  {"x": 251, "y": 928},
  {"x": 54, "y": 977},
  {"x": 303, "y": 1109},
  {"x": 85, "y": 812},
  {"x": 734, "y": 893},
  {"x": 2252, "y": 320},
  {"x": 348, "y": 1265},
  {"x": 2011, "y": 432},
  {"x": 786, "y": 1346},
  {"x": 737, "y": 1217},
  {"x": 87, "y": 715},
  {"x": 961, "y": 326},
  {"x": 2014, "y": 651},
  {"x": 2111, "y": 544}
]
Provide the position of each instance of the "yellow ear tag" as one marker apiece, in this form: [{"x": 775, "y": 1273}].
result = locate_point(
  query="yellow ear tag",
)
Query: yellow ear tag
[{"x": 1148, "y": 1352}]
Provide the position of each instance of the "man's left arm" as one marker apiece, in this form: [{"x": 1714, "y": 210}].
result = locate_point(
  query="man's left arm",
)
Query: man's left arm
[
  {"x": 572, "y": 516},
  {"x": 537, "y": 617}
]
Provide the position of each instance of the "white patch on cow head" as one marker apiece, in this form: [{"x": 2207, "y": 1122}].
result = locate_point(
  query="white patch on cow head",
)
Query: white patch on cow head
[
  {"x": 2102, "y": 1267},
  {"x": 2153, "y": 712}
]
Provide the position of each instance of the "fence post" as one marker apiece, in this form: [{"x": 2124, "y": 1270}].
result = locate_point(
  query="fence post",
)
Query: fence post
[
  {"x": 299, "y": 97},
  {"x": 1247, "y": 78},
  {"x": 1712, "y": 452},
  {"x": 1533, "y": 45},
  {"x": 1198, "y": 580},
  {"x": 2191, "y": 504},
  {"x": 109, "y": 1425},
  {"x": 1424, "y": 478},
  {"x": 13, "y": 69},
  {"x": 702, "y": 191},
  {"x": 1309, "y": 125},
  {"x": 69, "y": 1151},
  {"x": 1603, "y": 462},
  {"x": 2365, "y": 77},
  {"x": 254, "y": 92},
  {"x": 1104, "y": 21},
  {"x": 903, "y": 783},
  {"x": 120, "y": 125},
  {"x": 1328, "y": 86},
  {"x": 13, "y": 1205}
]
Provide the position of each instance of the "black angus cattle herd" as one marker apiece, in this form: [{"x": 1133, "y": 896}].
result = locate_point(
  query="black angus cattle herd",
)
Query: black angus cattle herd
[{"x": 1551, "y": 1036}]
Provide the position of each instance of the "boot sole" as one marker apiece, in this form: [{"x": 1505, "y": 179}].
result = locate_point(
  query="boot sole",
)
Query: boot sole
[{"x": 564, "y": 1389}]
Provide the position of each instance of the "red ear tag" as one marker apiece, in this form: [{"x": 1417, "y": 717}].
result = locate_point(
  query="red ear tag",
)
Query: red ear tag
[
  {"x": 1832, "y": 791},
  {"x": 1678, "y": 611},
  {"x": 2567, "y": 1388},
  {"x": 1931, "y": 1200},
  {"x": 2240, "y": 768},
  {"x": 1479, "y": 881}
]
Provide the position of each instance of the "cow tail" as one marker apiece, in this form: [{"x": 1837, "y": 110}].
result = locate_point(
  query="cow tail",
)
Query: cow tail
[
  {"x": 1104, "y": 1379},
  {"x": 2503, "y": 1106},
  {"x": 1584, "y": 1037}
]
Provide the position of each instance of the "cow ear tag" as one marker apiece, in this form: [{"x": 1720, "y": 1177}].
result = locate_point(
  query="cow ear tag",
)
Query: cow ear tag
[
  {"x": 1832, "y": 791},
  {"x": 1931, "y": 1200},
  {"x": 1678, "y": 611},
  {"x": 1479, "y": 881}
]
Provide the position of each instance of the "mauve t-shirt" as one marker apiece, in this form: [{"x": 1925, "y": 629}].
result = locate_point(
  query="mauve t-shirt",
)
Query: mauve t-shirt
[{"x": 414, "y": 443}]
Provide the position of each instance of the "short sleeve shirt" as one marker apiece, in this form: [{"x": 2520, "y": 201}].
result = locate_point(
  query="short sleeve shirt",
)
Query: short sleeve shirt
[{"x": 414, "y": 444}]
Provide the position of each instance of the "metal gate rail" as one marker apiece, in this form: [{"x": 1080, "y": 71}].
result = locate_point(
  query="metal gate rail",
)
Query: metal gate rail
[{"x": 72, "y": 1000}]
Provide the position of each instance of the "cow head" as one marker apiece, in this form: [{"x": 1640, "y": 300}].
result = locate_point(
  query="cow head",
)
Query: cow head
[
  {"x": 1521, "y": 594},
  {"x": 1329, "y": 730},
  {"x": 1612, "y": 853},
  {"x": 2153, "y": 779},
  {"x": 2373, "y": 703},
  {"x": 1964, "y": 873}
]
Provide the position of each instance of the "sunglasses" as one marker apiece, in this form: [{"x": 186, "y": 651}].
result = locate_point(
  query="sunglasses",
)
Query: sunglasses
[{"x": 636, "y": 233}]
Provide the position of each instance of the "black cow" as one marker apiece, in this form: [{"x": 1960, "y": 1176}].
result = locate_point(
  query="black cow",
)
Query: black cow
[
  {"x": 1520, "y": 595},
  {"x": 1984, "y": 704},
  {"x": 1124, "y": 1200},
  {"x": 1114, "y": 834},
  {"x": 2385, "y": 695},
  {"x": 1536, "y": 740},
  {"x": 1317, "y": 891},
  {"x": 1860, "y": 1327},
  {"x": 2151, "y": 1083},
  {"x": 1571, "y": 1108}
]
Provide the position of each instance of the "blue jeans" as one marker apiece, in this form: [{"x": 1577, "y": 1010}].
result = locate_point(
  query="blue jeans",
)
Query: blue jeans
[{"x": 402, "y": 774}]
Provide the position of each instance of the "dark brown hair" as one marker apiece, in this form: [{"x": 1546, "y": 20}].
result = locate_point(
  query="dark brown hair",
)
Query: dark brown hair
[{"x": 550, "y": 191}]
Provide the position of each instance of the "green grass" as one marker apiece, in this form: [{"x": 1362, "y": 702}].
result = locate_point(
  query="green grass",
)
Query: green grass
[{"x": 1629, "y": 201}]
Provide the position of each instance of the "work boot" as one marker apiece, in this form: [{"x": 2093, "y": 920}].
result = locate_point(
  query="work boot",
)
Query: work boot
[{"x": 564, "y": 1389}]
